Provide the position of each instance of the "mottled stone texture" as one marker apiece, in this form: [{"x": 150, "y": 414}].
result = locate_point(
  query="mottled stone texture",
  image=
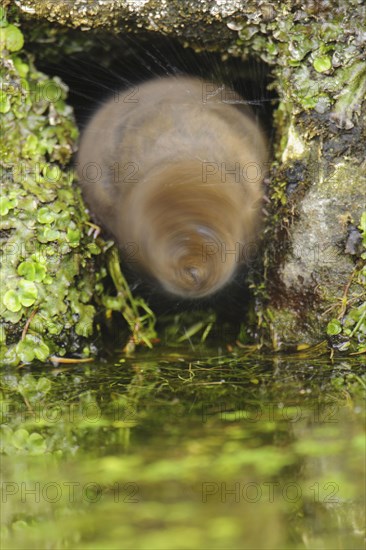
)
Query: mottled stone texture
[{"x": 317, "y": 189}]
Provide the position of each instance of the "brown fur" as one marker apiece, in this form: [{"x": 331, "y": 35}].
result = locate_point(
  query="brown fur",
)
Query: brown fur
[{"x": 159, "y": 174}]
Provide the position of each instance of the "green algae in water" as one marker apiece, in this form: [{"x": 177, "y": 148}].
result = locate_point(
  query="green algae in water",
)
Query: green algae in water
[{"x": 172, "y": 450}]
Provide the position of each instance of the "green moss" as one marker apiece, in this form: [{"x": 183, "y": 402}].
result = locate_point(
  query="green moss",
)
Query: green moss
[
  {"x": 348, "y": 331},
  {"x": 317, "y": 55},
  {"x": 47, "y": 274},
  {"x": 138, "y": 315},
  {"x": 320, "y": 77}
]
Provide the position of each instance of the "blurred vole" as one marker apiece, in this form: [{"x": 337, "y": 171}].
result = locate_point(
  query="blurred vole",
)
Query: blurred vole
[{"x": 174, "y": 169}]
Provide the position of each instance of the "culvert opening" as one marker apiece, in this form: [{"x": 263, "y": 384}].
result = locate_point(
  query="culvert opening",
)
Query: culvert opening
[{"x": 104, "y": 65}]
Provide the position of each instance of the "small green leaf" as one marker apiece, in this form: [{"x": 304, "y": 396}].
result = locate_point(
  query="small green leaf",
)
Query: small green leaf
[
  {"x": 334, "y": 327},
  {"x": 51, "y": 234},
  {"x": 30, "y": 147},
  {"x": 50, "y": 91},
  {"x": 6, "y": 204},
  {"x": 27, "y": 293},
  {"x": 11, "y": 301},
  {"x": 73, "y": 236},
  {"x": 13, "y": 38},
  {"x": 32, "y": 271},
  {"x": 33, "y": 347},
  {"x": 21, "y": 67},
  {"x": 322, "y": 63},
  {"x": 25, "y": 351},
  {"x": 93, "y": 248},
  {"x": 52, "y": 173},
  {"x": 309, "y": 102},
  {"x": 27, "y": 270},
  {"x": 42, "y": 352},
  {"x": 4, "y": 102},
  {"x": 84, "y": 327},
  {"x": 45, "y": 215},
  {"x": 41, "y": 272}
]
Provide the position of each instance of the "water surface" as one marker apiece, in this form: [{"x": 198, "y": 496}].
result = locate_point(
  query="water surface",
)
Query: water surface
[{"x": 171, "y": 449}]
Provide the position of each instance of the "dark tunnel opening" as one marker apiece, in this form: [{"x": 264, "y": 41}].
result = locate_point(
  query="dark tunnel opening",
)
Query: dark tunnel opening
[{"x": 109, "y": 63}]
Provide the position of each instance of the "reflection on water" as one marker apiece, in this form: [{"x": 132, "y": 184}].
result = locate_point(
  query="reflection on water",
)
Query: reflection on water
[{"x": 174, "y": 451}]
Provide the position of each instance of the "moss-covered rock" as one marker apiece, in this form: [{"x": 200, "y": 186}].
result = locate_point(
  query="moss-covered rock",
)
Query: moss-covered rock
[
  {"x": 47, "y": 274},
  {"x": 319, "y": 182},
  {"x": 312, "y": 268}
]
